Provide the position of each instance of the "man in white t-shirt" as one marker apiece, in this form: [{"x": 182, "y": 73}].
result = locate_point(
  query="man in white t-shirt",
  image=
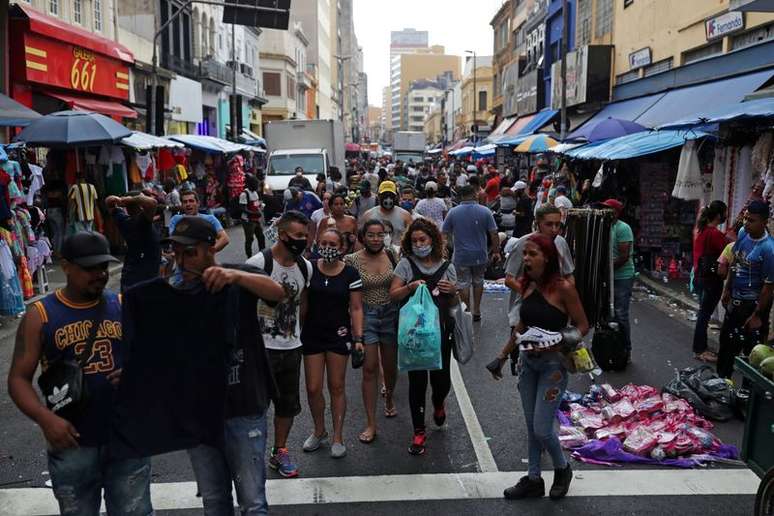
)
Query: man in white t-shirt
[
  {"x": 549, "y": 222},
  {"x": 281, "y": 328},
  {"x": 562, "y": 202},
  {"x": 432, "y": 207}
]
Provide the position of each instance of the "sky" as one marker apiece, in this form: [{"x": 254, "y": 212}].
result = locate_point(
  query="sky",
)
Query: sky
[{"x": 458, "y": 25}]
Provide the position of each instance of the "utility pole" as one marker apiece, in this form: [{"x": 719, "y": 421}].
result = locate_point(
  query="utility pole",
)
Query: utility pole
[
  {"x": 474, "y": 126},
  {"x": 234, "y": 115},
  {"x": 565, "y": 35}
]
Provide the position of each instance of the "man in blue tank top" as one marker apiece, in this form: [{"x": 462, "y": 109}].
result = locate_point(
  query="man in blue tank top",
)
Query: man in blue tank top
[{"x": 57, "y": 328}]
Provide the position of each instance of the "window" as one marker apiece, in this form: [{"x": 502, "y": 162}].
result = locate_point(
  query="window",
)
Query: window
[
  {"x": 627, "y": 77},
  {"x": 604, "y": 18},
  {"x": 481, "y": 101},
  {"x": 53, "y": 7},
  {"x": 419, "y": 99},
  {"x": 417, "y": 109},
  {"x": 291, "y": 87},
  {"x": 661, "y": 66},
  {"x": 753, "y": 37},
  {"x": 77, "y": 13},
  {"x": 583, "y": 29},
  {"x": 272, "y": 83},
  {"x": 98, "y": 15},
  {"x": 697, "y": 54},
  {"x": 627, "y": 3}
]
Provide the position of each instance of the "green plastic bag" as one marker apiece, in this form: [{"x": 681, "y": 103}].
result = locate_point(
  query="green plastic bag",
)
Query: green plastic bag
[{"x": 419, "y": 333}]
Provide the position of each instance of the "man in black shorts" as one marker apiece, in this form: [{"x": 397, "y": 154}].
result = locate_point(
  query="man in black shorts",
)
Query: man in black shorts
[{"x": 281, "y": 327}]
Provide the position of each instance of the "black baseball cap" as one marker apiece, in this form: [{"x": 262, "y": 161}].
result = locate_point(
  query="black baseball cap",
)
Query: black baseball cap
[
  {"x": 191, "y": 230},
  {"x": 87, "y": 249}
]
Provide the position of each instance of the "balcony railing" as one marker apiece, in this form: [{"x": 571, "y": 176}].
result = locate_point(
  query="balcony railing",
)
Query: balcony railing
[
  {"x": 215, "y": 71},
  {"x": 179, "y": 65}
]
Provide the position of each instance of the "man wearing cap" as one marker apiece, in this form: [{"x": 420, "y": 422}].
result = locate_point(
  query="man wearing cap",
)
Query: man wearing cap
[
  {"x": 431, "y": 207},
  {"x": 299, "y": 181},
  {"x": 523, "y": 211},
  {"x": 363, "y": 202},
  {"x": 748, "y": 290},
  {"x": 134, "y": 217},
  {"x": 51, "y": 332},
  {"x": 622, "y": 242},
  {"x": 190, "y": 200},
  {"x": 301, "y": 200},
  {"x": 389, "y": 211}
]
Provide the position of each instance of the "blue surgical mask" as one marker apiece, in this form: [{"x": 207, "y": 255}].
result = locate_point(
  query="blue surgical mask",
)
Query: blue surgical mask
[{"x": 422, "y": 251}]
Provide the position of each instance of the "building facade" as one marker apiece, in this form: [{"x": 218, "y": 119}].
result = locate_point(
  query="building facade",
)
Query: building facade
[
  {"x": 315, "y": 16},
  {"x": 284, "y": 71},
  {"x": 503, "y": 52},
  {"x": 477, "y": 89},
  {"x": 421, "y": 97}
]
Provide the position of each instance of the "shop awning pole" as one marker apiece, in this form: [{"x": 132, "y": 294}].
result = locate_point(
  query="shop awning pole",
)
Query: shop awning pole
[{"x": 565, "y": 23}]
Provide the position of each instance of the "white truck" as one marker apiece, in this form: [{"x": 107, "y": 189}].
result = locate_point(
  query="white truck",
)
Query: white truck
[
  {"x": 409, "y": 146},
  {"x": 314, "y": 145}
]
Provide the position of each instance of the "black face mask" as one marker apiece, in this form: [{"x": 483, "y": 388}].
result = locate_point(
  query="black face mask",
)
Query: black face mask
[{"x": 296, "y": 246}]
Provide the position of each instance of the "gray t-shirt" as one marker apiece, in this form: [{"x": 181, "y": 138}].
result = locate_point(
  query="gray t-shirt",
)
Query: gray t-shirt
[
  {"x": 395, "y": 217},
  {"x": 514, "y": 266},
  {"x": 403, "y": 270}
]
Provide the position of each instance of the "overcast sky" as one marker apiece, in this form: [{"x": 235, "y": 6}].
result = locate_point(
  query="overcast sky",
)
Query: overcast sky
[{"x": 458, "y": 25}]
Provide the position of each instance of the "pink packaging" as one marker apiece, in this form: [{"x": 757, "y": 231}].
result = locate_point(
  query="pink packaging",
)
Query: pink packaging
[
  {"x": 640, "y": 442},
  {"x": 609, "y": 393},
  {"x": 572, "y": 437},
  {"x": 592, "y": 423},
  {"x": 623, "y": 408},
  {"x": 649, "y": 405}
]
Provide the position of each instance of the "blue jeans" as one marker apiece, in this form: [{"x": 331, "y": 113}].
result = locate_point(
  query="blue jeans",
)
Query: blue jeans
[
  {"x": 622, "y": 296},
  {"x": 710, "y": 293},
  {"x": 241, "y": 460},
  {"x": 78, "y": 476},
  {"x": 542, "y": 382}
]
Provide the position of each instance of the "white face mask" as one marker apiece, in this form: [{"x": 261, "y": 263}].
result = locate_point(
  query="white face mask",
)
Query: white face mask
[{"x": 387, "y": 240}]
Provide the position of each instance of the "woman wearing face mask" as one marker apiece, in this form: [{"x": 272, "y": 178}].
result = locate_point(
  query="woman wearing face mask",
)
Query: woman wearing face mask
[
  {"x": 375, "y": 263},
  {"x": 549, "y": 302},
  {"x": 423, "y": 263},
  {"x": 338, "y": 219},
  {"x": 332, "y": 329}
]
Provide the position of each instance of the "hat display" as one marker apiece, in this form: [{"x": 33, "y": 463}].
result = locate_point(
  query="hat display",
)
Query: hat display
[{"x": 87, "y": 249}]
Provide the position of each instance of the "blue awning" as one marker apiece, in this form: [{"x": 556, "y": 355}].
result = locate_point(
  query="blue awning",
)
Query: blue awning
[
  {"x": 684, "y": 102},
  {"x": 760, "y": 108},
  {"x": 634, "y": 145},
  {"x": 624, "y": 110},
  {"x": 538, "y": 121}
]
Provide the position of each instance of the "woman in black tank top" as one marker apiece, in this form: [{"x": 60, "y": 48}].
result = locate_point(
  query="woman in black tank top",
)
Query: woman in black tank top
[{"x": 549, "y": 303}]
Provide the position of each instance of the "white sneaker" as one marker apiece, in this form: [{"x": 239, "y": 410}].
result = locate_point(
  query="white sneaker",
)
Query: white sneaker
[
  {"x": 338, "y": 450},
  {"x": 313, "y": 442}
]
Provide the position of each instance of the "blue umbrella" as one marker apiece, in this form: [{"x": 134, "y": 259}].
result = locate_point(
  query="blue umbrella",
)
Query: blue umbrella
[
  {"x": 609, "y": 128},
  {"x": 73, "y": 128}
]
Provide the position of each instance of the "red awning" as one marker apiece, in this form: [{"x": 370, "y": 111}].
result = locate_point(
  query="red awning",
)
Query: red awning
[
  {"x": 106, "y": 107},
  {"x": 57, "y": 29},
  {"x": 352, "y": 147},
  {"x": 520, "y": 123}
]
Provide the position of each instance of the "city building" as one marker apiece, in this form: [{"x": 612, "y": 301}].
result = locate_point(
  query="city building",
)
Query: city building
[
  {"x": 433, "y": 125},
  {"x": 286, "y": 79},
  {"x": 406, "y": 41},
  {"x": 375, "y": 124},
  {"x": 451, "y": 108},
  {"x": 553, "y": 36},
  {"x": 315, "y": 16},
  {"x": 421, "y": 97},
  {"x": 387, "y": 108},
  {"x": 503, "y": 52},
  {"x": 477, "y": 88}
]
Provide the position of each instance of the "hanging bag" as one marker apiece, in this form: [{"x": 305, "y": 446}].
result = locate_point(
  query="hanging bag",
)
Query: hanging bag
[
  {"x": 463, "y": 333},
  {"x": 419, "y": 333},
  {"x": 63, "y": 385}
]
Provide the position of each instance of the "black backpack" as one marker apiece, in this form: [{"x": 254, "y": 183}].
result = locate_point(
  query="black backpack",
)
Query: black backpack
[
  {"x": 609, "y": 347},
  {"x": 268, "y": 264}
]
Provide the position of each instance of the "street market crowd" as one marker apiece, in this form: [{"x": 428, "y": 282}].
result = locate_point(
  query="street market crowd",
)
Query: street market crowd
[{"x": 192, "y": 352}]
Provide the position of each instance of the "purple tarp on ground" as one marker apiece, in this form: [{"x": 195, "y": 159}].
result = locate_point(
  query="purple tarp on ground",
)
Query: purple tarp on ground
[{"x": 610, "y": 452}]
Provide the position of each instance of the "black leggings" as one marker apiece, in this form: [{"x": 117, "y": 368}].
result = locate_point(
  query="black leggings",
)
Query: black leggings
[{"x": 440, "y": 382}]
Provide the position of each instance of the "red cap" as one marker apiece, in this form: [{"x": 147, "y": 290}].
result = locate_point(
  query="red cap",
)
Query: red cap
[{"x": 615, "y": 204}]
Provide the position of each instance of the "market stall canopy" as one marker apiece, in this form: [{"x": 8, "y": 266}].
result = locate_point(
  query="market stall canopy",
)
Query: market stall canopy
[
  {"x": 14, "y": 114},
  {"x": 212, "y": 144},
  {"x": 66, "y": 128},
  {"x": 634, "y": 145},
  {"x": 463, "y": 151},
  {"x": 435, "y": 151},
  {"x": 760, "y": 108},
  {"x": 625, "y": 110},
  {"x": 501, "y": 129},
  {"x": 105, "y": 107},
  {"x": 144, "y": 141},
  {"x": 457, "y": 145},
  {"x": 352, "y": 147},
  {"x": 526, "y": 126},
  {"x": 564, "y": 147},
  {"x": 536, "y": 143},
  {"x": 485, "y": 150},
  {"x": 610, "y": 128}
]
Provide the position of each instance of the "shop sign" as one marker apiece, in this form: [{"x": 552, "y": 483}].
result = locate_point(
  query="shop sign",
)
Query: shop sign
[
  {"x": 510, "y": 80},
  {"x": 55, "y": 63},
  {"x": 588, "y": 76},
  {"x": 728, "y": 23},
  {"x": 185, "y": 99},
  {"x": 640, "y": 58},
  {"x": 528, "y": 92}
]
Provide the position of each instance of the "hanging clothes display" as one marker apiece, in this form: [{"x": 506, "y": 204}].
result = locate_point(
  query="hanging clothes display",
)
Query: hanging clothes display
[
  {"x": 113, "y": 163},
  {"x": 37, "y": 182},
  {"x": 689, "y": 185},
  {"x": 719, "y": 174},
  {"x": 236, "y": 177},
  {"x": 11, "y": 300}
]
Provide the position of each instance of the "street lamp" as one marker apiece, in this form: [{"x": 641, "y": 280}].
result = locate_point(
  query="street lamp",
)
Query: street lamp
[
  {"x": 340, "y": 60},
  {"x": 475, "y": 96}
]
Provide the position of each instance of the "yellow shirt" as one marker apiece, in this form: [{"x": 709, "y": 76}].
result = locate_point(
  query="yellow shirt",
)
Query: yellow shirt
[
  {"x": 82, "y": 197},
  {"x": 727, "y": 256}
]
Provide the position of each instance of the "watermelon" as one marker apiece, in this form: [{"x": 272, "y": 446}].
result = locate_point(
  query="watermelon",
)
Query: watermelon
[
  {"x": 760, "y": 353},
  {"x": 767, "y": 368}
]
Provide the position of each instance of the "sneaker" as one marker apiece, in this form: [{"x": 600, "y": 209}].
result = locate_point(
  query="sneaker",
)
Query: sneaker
[
  {"x": 338, "y": 450},
  {"x": 526, "y": 488},
  {"x": 562, "y": 479},
  {"x": 313, "y": 442},
  {"x": 439, "y": 415},
  {"x": 281, "y": 463},
  {"x": 418, "y": 443}
]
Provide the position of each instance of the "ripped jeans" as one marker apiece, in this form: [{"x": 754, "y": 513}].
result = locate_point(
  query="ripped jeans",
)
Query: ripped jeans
[
  {"x": 78, "y": 476},
  {"x": 542, "y": 382},
  {"x": 241, "y": 460}
]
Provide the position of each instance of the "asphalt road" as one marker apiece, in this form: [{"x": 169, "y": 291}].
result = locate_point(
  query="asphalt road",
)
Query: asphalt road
[{"x": 661, "y": 336}]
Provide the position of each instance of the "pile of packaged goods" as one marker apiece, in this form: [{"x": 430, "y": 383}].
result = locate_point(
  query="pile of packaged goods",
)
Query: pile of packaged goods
[{"x": 637, "y": 424}]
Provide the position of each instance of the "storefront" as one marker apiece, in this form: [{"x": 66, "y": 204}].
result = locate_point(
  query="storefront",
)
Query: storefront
[
  {"x": 185, "y": 102},
  {"x": 65, "y": 67}
]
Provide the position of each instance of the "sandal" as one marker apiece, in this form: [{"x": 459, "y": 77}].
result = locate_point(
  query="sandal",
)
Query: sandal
[
  {"x": 366, "y": 439},
  {"x": 390, "y": 412},
  {"x": 383, "y": 392},
  {"x": 707, "y": 356},
  {"x": 476, "y": 317}
]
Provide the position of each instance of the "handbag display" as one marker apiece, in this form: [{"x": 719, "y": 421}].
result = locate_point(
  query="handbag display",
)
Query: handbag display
[{"x": 63, "y": 385}]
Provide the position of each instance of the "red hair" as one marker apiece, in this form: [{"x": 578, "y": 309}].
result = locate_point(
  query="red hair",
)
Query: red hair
[{"x": 551, "y": 274}]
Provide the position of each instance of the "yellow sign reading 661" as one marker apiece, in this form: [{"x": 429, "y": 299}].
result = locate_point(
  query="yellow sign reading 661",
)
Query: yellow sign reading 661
[{"x": 84, "y": 70}]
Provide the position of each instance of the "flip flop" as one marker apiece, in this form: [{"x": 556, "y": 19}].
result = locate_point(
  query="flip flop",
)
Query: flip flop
[
  {"x": 390, "y": 412},
  {"x": 363, "y": 438},
  {"x": 476, "y": 317}
]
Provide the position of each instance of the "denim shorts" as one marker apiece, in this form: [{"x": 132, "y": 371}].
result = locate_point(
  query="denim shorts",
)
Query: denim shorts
[
  {"x": 381, "y": 324},
  {"x": 467, "y": 276}
]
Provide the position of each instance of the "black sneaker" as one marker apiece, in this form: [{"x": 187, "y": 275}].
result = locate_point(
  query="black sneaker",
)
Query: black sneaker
[
  {"x": 562, "y": 479},
  {"x": 526, "y": 488}
]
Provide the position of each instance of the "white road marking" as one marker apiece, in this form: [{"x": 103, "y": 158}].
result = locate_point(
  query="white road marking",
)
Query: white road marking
[
  {"x": 486, "y": 462},
  {"x": 410, "y": 488}
]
